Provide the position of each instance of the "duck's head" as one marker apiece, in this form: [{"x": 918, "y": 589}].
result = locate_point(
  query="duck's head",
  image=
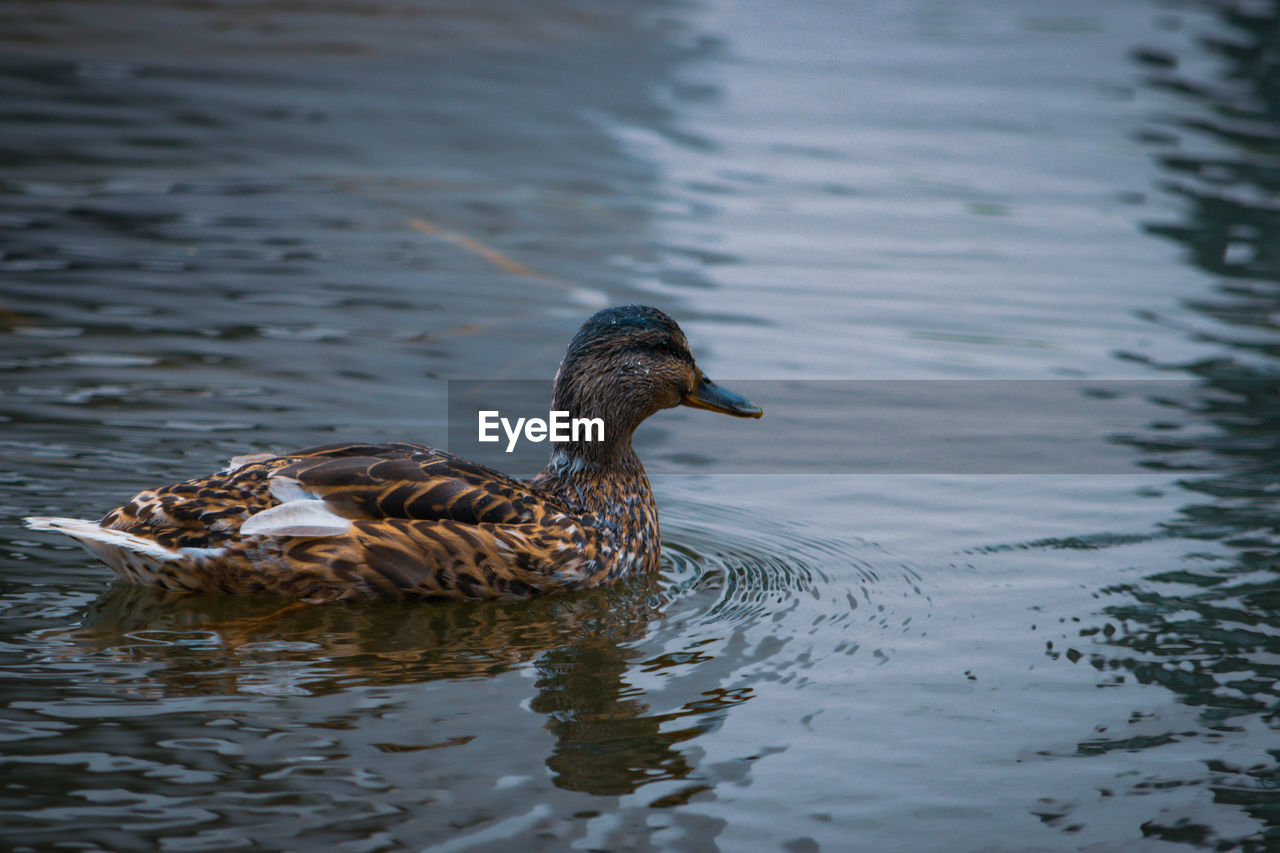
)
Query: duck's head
[{"x": 627, "y": 363}]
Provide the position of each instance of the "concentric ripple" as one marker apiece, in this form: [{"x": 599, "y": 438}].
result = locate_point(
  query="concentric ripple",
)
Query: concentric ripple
[{"x": 725, "y": 573}]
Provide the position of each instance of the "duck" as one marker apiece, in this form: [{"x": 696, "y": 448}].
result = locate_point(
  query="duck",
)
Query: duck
[{"x": 404, "y": 521}]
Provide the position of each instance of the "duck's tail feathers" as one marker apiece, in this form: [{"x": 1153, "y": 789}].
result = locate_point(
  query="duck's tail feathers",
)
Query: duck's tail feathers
[
  {"x": 98, "y": 539},
  {"x": 134, "y": 558}
]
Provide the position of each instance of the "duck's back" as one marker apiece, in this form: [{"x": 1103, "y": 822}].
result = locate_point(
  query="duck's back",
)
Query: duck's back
[
  {"x": 355, "y": 481},
  {"x": 353, "y": 520}
]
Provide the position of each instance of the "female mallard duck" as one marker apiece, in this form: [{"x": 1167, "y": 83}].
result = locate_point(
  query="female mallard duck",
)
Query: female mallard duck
[{"x": 404, "y": 521}]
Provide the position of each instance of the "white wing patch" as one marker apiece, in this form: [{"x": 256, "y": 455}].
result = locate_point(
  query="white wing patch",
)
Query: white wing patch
[
  {"x": 287, "y": 490},
  {"x": 238, "y": 462},
  {"x": 296, "y": 518}
]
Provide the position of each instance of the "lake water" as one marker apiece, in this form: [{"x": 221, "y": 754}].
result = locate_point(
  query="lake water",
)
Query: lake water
[{"x": 229, "y": 227}]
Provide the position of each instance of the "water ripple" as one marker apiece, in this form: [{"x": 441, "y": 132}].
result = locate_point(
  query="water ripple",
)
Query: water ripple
[{"x": 728, "y": 574}]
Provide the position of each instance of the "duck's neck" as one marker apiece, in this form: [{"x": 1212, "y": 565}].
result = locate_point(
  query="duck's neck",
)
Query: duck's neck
[
  {"x": 604, "y": 480},
  {"x": 609, "y": 485},
  {"x": 603, "y": 448}
]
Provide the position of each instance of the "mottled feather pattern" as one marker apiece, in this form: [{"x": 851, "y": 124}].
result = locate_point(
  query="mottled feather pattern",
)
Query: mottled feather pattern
[
  {"x": 413, "y": 481},
  {"x": 406, "y": 521},
  {"x": 199, "y": 513},
  {"x": 426, "y": 524}
]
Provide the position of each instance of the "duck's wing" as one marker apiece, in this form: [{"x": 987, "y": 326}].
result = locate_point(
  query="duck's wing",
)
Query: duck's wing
[
  {"x": 415, "y": 524},
  {"x": 368, "y": 481},
  {"x": 407, "y": 482},
  {"x": 383, "y": 521}
]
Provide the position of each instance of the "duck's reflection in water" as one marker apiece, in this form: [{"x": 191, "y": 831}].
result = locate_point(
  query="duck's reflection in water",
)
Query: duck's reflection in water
[{"x": 582, "y": 650}]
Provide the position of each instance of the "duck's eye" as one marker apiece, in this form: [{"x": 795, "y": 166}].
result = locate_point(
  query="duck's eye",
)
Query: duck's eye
[{"x": 669, "y": 348}]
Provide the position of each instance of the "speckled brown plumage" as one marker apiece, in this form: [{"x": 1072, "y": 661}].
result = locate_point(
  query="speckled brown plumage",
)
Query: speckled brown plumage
[{"x": 397, "y": 521}]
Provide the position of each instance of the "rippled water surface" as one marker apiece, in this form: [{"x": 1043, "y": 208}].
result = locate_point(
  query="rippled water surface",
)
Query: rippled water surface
[{"x": 228, "y": 227}]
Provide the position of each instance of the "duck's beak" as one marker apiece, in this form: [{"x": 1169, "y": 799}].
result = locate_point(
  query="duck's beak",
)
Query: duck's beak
[{"x": 708, "y": 395}]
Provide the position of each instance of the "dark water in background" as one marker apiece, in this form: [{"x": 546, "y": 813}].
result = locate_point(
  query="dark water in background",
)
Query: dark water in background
[{"x": 228, "y": 227}]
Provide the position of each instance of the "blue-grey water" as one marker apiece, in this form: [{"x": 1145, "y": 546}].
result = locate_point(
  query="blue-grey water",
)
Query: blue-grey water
[{"x": 229, "y": 227}]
